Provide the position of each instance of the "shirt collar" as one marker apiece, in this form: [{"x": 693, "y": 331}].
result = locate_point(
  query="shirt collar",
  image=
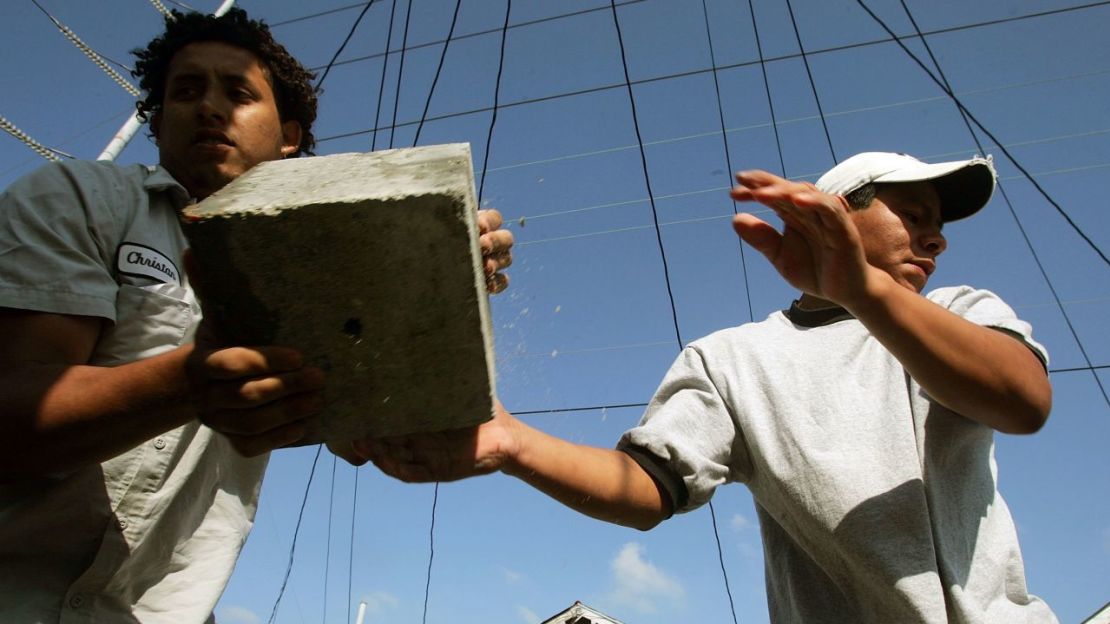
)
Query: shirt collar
[
  {"x": 816, "y": 318},
  {"x": 158, "y": 179}
]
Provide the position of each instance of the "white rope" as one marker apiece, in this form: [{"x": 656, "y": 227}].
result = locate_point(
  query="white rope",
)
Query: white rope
[
  {"x": 10, "y": 128},
  {"x": 92, "y": 54},
  {"x": 161, "y": 8}
]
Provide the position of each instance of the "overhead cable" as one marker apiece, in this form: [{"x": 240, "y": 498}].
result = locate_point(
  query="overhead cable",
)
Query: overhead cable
[
  {"x": 943, "y": 80},
  {"x": 93, "y": 55},
  {"x": 39, "y": 148},
  {"x": 984, "y": 130}
]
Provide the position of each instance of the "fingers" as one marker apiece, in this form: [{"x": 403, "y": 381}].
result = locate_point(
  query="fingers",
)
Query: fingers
[
  {"x": 759, "y": 234},
  {"x": 496, "y": 246},
  {"x": 252, "y": 445},
  {"x": 236, "y": 362},
  {"x": 488, "y": 220},
  {"x": 497, "y": 282}
]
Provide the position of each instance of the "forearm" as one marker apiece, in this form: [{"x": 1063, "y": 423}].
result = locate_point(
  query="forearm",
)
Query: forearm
[
  {"x": 602, "y": 483},
  {"x": 978, "y": 372},
  {"x": 58, "y": 417}
]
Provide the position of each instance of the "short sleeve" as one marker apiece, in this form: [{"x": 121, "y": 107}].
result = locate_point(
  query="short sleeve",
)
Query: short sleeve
[
  {"x": 985, "y": 308},
  {"x": 691, "y": 434},
  {"x": 58, "y": 228}
]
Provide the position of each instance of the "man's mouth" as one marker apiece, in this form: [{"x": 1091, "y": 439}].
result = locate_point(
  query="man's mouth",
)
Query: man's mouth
[
  {"x": 211, "y": 137},
  {"x": 928, "y": 266}
]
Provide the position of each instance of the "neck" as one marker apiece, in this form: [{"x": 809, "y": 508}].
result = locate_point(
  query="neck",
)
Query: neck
[{"x": 810, "y": 302}]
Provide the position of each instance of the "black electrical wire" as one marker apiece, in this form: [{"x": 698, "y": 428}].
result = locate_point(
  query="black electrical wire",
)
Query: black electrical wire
[
  {"x": 662, "y": 250},
  {"x": 491, "y": 31},
  {"x": 350, "y": 33},
  {"x": 400, "y": 73},
  {"x": 381, "y": 85},
  {"x": 812, "y": 83},
  {"x": 990, "y": 135},
  {"x": 439, "y": 68},
  {"x": 721, "y": 558},
  {"x": 728, "y": 153},
  {"x": 647, "y": 177},
  {"x": 296, "y": 531},
  {"x": 496, "y": 101},
  {"x": 327, "y": 545},
  {"x": 431, "y": 553},
  {"x": 684, "y": 74},
  {"x": 351, "y": 556},
  {"x": 947, "y": 86}
]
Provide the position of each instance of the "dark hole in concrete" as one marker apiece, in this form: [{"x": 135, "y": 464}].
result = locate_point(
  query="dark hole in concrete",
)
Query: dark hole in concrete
[{"x": 353, "y": 328}]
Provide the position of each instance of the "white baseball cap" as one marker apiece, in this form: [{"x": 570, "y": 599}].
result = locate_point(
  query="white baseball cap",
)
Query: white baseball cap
[{"x": 964, "y": 186}]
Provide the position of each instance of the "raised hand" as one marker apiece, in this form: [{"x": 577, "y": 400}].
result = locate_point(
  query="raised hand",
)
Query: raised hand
[{"x": 819, "y": 250}]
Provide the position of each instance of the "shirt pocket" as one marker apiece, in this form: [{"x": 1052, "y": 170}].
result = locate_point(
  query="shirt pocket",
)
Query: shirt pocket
[{"x": 150, "y": 320}]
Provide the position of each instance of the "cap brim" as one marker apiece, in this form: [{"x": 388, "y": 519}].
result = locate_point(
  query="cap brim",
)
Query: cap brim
[{"x": 964, "y": 187}]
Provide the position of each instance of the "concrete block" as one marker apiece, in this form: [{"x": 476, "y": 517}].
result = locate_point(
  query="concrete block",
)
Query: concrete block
[{"x": 367, "y": 263}]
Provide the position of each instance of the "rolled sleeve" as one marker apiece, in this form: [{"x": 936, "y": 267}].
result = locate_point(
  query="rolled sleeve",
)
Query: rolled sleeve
[{"x": 690, "y": 431}]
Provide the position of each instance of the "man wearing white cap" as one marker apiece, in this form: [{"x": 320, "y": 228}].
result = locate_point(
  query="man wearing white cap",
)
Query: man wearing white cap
[{"x": 861, "y": 419}]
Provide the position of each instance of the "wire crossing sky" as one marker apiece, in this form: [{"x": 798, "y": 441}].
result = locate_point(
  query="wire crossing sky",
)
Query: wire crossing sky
[{"x": 597, "y": 199}]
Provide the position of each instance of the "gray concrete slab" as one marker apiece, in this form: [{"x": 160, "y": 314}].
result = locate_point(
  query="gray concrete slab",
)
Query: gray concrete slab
[{"x": 367, "y": 263}]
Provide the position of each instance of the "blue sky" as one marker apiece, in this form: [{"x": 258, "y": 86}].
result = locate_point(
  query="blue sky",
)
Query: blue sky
[{"x": 587, "y": 321}]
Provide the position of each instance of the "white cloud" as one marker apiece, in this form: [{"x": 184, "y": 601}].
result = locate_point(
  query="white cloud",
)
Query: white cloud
[
  {"x": 238, "y": 615},
  {"x": 527, "y": 616},
  {"x": 639, "y": 584},
  {"x": 511, "y": 576},
  {"x": 739, "y": 522},
  {"x": 378, "y": 602},
  {"x": 748, "y": 551}
]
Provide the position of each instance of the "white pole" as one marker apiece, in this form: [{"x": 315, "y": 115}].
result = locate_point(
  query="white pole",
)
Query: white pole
[
  {"x": 361, "y": 612},
  {"x": 128, "y": 130}
]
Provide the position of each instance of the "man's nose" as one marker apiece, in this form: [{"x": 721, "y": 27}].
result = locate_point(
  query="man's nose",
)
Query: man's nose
[
  {"x": 933, "y": 242},
  {"x": 212, "y": 105}
]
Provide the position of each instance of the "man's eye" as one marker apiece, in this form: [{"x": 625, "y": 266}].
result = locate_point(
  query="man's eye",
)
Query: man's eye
[{"x": 183, "y": 93}]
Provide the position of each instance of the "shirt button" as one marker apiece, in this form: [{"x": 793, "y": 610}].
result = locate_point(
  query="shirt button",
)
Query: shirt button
[
  {"x": 159, "y": 443},
  {"x": 76, "y": 600},
  {"x": 123, "y": 524}
]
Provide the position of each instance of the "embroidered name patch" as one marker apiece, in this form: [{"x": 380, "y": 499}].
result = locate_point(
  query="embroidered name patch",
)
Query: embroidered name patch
[{"x": 143, "y": 261}]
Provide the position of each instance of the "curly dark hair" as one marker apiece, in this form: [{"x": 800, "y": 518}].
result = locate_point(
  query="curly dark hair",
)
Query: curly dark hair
[{"x": 292, "y": 83}]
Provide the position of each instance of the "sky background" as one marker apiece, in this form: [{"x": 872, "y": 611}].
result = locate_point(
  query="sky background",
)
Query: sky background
[{"x": 587, "y": 321}]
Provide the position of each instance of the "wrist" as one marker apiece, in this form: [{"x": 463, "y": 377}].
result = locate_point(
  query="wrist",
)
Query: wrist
[{"x": 876, "y": 288}]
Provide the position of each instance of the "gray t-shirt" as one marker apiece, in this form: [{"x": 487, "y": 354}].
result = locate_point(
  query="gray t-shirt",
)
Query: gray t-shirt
[
  {"x": 876, "y": 503},
  {"x": 152, "y": 534}
]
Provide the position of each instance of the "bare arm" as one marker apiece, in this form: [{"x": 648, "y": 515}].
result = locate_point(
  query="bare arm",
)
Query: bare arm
[
  {"x": 975, "y": 371},
  {"x": 61, "y": 413},
  {"x": 601, "y": 483}
]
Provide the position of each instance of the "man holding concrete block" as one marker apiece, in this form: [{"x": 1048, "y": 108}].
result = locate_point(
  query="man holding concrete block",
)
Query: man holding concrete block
[{"x": 116, "y": 502}]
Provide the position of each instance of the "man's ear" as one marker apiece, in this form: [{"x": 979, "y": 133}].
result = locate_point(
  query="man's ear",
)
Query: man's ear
[
  {"x": 156, "y": 125},
  {"x": 290, "y": 137}
]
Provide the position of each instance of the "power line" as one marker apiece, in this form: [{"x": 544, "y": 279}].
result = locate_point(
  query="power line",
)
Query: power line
[
  {"x": 39, "y": 148},
  {"x": 728, "y": 153},
  {"x": 662, "y": 249},
  {"x": 93, "y": 55},
  {"x": 381, "y": 84},
  {"x": 943, "y": 81},
  {"x": 984, "y": 130},
  {"x": 480, "y": 33},
  {"x": 296, "y": 532},
  {"x": 439, "y": 69},
  {"x": 400, "y": 73},
  {"x": 696, "y": 72},
  {"x": 338, "y": 51},
  {"x": 812, "y": 83}
]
